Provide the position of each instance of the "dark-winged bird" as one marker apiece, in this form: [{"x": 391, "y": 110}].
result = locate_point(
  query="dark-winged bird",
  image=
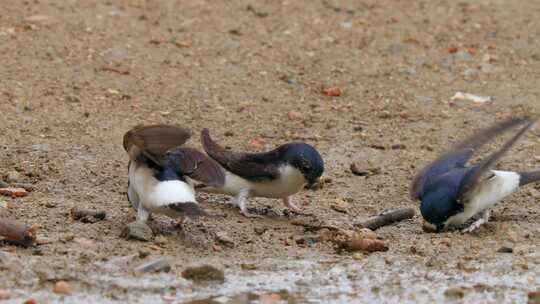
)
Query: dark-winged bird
[
  {"x": 451, "y": 192},
  {"x": 279, "y": 173},
  {"x": 161, "y": 171}
]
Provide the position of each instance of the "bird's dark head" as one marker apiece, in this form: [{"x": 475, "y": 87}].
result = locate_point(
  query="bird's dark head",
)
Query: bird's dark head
[
  {"x": 305, "y": 158},
  {"x": 437, "y": 206}
]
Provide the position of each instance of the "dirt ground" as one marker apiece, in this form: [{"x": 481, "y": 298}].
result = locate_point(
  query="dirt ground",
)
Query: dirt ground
[{"x": 76, "y": 75}]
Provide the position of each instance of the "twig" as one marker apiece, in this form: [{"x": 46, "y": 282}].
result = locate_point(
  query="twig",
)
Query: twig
[
  {"x": 387, "y": 218},
  {"x": 17, "y": 233}
]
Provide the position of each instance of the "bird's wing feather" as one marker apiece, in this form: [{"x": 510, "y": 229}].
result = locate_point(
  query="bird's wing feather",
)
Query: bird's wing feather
[
  {"x": 154, "y": 140},
  {"x": 459, "y": 155},
  {"x": 198, "y": 166},
  {"x": 251, "y": 166},
  {"x": 471, "y": 180}
]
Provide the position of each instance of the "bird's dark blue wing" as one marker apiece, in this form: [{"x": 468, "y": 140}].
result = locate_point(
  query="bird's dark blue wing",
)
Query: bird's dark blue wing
[
  {"x": 458, "y": 156},
  {"x": 154, "y": 140},
  {"x": 470, "y": 181},
  {"x": 251, "y": 166}
]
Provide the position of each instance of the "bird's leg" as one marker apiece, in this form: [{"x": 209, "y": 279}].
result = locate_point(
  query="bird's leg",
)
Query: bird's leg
[
  {"x": 241, "y": 201},
  {"x": 479, "y": 222},
  {"x": 288, "y": 202},
  {"x": 133, "y": 197},
  {"x": 181, "y": 221},
  {"x": 142, "y": 214}
]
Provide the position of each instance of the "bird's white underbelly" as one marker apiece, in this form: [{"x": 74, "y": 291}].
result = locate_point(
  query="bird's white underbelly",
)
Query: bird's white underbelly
[
  {"x": 487, "y": 195},
  {"x": 289, "y": 182},
  {"x": 154, "y": 194}
]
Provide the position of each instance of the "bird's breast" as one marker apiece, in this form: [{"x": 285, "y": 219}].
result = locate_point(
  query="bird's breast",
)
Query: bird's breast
[
  {"x": 289, "y": 182},
  {"x": 494, "y": 189},
  {"x": 154, "y": 193},
  {"x": 487, "y": 195}
]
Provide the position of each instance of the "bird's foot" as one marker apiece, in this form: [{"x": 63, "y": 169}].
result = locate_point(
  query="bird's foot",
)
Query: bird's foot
[
  {"x": 246, "y": 213},
  {"x": 475, "y": 225},
  {"x": 300, "y": 211},
  {"x": 294, "y": 208}
]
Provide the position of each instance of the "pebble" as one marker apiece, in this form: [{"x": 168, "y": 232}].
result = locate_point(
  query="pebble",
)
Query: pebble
[
  {"x": 30, "y": 301},
  {"x": 42, "y": 147},
  {"x": 115, "y": 55},
  {"x": 144, "y": 252},
  {"x": 13, "y": 177},
  {"x": 365, "y": 233},
  {"x": 358, "y": 243},
  {"x": 5, "y": 294},
  {"x": 3, "y": 204},
  {"x": 62, "y": 287},
  {"x": 288, "y": 79},
  {"x": 534, "y": 297},
  {"x": 470, "y": 74},
  {"x": 38, "y": 18},
  {"x": 294, "y": 115},
  {"x": 246, "y": 266},
  {"x": 270, "y": 298},
  {"x": 26, "y": 186},
  {"x": 260, "y": 230},
  {"x": 398, "y": 146},
  {"x": 357, "y": 256},
  {"x": 462, "y": 55},
  {"x": 73, "y": 99},
  {"x": 84, "y": 242},
  {"x": 471, "y": 97},
  {"x": 359, "y": 170},
  {"x": 340, "y": 205},
  {"x": 160, "y": 240},
  {"x": 257, "y": 143},
  {"x": 505, "y": 249},
  {"x": 203, "y": 273},
  {"x": 346, "y": 25},
  {"x": 332, "y": 91},
  {"x": 454, "y": 292},
  {"x": 87, "y": 216},
  {"x": 3, "y": 184},
  {"x": 13, "y": 192},
  {"x": 138, "y": 230},
  {"x": 224, "y": 238},
  {"x": 307, "y": 239},
  {"x": 157, "y": 265}
]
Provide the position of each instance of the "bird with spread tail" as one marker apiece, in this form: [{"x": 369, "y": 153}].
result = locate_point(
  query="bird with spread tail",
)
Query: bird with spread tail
[
  {"x": 161, "y": 172},
  {"x": 451, "y": 192},
  {"x": 279, "y": 173}
]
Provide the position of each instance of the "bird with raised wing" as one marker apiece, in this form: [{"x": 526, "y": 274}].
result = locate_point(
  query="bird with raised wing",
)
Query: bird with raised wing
[
  {"x": 279, "y": 173},
  {"x": 451, "y": 192},
  {"x": 161, "y": 171}
]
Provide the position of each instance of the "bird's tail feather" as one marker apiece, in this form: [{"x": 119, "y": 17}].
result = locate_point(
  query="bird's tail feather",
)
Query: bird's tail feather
[
  {"x": 529, "y": 177},
  {"x": 189, "y": 209}
]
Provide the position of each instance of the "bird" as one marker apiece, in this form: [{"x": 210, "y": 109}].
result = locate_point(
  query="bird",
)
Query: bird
[
  {"x": 451, "y": 192},
  {"x": 161, "y": 171},
  {"x": 278, "y": 173}
]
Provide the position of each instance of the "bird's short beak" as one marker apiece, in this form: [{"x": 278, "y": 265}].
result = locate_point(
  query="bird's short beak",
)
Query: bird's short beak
[
  {"x": 313, "y": 184},
  {"x": 428, "y": 227}
]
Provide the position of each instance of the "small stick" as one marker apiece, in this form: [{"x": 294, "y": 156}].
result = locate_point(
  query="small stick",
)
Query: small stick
[
  {"x": 17, "y": 232},
  {"x": 387, "y": 218}
]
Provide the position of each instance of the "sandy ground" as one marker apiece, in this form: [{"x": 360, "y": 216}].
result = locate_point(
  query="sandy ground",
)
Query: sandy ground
[{"x": 76, "y": 75}]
